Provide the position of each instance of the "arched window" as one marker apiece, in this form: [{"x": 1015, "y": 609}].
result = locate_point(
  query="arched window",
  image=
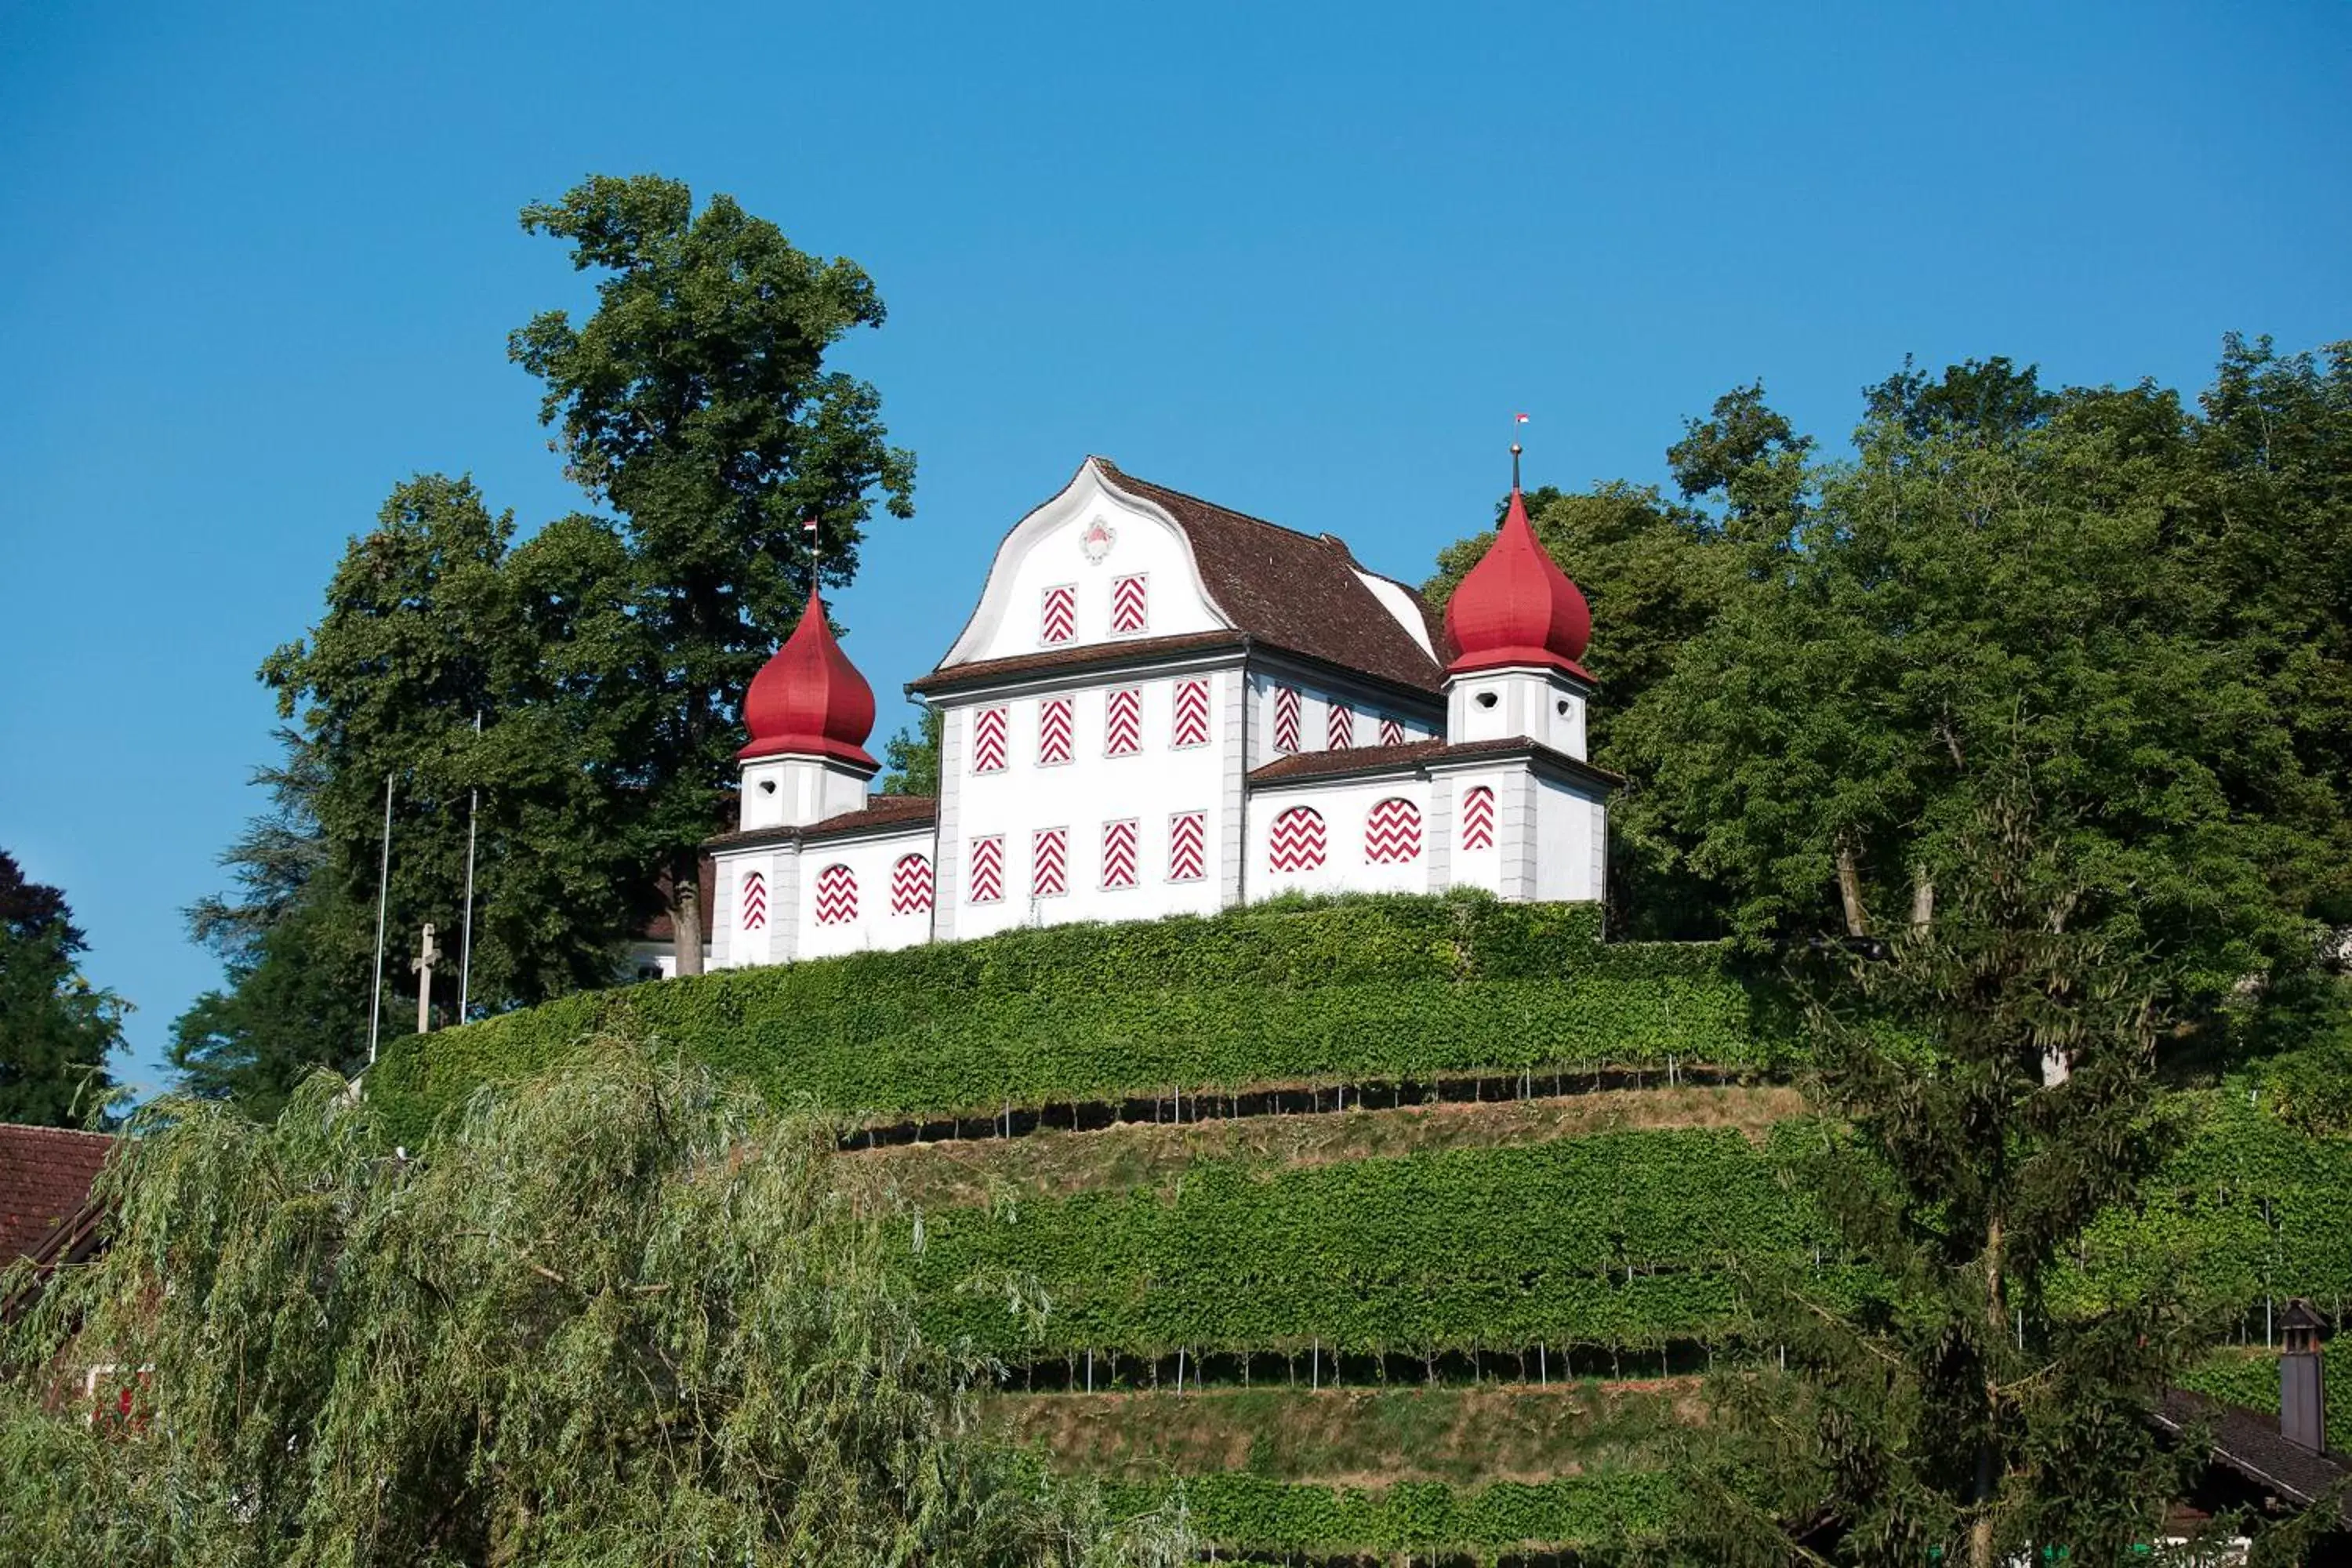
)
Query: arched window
[
  {"x": 837, "y": 895},
  {"x": 1296, "y": 840},
  {"x": 1478, "y": 818},
  {"x": 910, "y": 885},
  {"x": 1392, "y": 832}
]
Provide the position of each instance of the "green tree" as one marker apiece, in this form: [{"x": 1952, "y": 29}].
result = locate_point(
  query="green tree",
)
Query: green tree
[
  {"x": 910, "y": 759},
  {"x": 57, "y": 1029},
  {"x": 1962, "y": 1409},
  {"x": 617, "y": 1316},
  {"x": 1655, "y": 574},
  {"x": 1952, "y": 600},
  {"x": 696, "y": 402},
  {"x": 296, "y": 996},
  {"x": 471, "y": 672}
]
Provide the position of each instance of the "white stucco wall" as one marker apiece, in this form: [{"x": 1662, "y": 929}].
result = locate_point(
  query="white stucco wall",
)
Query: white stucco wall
[
  {"x": 1085, "y": 795},
  {"x": 1545, "y": 705},
  {"x": 1047, "y": 549},
  {"x": 1346, "y": 805},
  {"x": 872, "y": 862},
  {"x": 1571, "y": 841},
  {"x": 1315, "y": 700},
  {"x": 1479, "y": 867}
]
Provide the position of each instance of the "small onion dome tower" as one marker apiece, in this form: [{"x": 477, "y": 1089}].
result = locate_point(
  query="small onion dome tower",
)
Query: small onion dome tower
[
  {"x": 809, "y": 712},
  {"x": 1518, "y": 627}
]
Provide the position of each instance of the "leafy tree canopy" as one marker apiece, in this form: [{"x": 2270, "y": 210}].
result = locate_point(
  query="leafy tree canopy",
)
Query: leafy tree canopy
[
  {"x": 56, "y": 1028},
  {"x": 619, "y": 1316},
  {"x": 696, "y": 401}
]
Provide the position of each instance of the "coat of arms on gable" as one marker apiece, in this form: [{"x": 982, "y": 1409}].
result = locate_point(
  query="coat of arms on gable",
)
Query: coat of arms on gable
[{"x": 1096, "y": 541}]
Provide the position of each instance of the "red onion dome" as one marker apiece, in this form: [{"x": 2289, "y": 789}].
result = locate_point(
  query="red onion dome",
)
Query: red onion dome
[
  {"x": 809, "y": 698},
  {"x": 1516, "y": 606}
]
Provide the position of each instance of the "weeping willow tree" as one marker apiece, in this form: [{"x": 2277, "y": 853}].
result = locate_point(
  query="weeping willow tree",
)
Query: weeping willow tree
[{"x": 613, "y": 1317}]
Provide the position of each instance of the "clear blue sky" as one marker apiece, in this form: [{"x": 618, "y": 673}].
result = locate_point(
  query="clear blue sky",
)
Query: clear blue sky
[{"x": 257, "y": 264}]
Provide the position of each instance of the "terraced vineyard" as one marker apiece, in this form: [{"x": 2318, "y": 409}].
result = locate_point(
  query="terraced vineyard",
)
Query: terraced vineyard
[{"x": 1387, "y": 1226}]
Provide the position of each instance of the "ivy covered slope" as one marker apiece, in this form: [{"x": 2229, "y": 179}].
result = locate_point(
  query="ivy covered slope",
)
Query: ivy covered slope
[{"x": 1350, "y": 990}]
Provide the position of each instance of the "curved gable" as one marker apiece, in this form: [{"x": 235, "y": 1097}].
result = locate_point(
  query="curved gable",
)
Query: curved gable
[{"x": 1094, "y": 566}]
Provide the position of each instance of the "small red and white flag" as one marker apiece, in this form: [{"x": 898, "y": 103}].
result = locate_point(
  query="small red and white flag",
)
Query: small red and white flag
[
  {"x": 1519, "y": 419},
  {"x": 808, "y": 524}
]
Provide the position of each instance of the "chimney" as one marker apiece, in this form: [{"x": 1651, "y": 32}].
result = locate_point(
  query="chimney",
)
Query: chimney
[{"x": 2303, "y": 1392}]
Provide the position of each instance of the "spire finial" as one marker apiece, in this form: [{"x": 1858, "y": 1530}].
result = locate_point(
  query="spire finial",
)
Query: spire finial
[{"x": 1516, "y": 449}]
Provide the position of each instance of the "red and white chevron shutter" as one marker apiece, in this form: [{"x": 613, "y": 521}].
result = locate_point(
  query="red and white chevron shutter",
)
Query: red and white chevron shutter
[
  {"x": 1058, "y": 622},
  {"x": 1340, "y": 732},
  {"x": 1392, "y": 832},
  {"x": 988, "y": 868},
  {"x": 1123, "y": 724},
  {"x": 1188, "y": 857},
  {"x": 1391, "y": 731},
  {"x": 1192, "y": 713},
  {"x": 1118, "y": 854},
  {"x": 837, "y": 895},
  {"x": 910, "y": 885},
  {"x": 755, "y": 901},
  {"x": 989, "y": 729},
  {"x": 1049, "y": 863},
  {"x": 1478, "y": 818},
  {"x": 1297, "y": 843},
  {"x": 1285, "y": 718},
  {"x": 1056, "y": 724},
  {"x": 1129, "y": 609}
]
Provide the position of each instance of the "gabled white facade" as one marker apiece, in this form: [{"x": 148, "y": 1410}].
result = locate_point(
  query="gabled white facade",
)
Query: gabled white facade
[{"x": 1119, "y": 743}]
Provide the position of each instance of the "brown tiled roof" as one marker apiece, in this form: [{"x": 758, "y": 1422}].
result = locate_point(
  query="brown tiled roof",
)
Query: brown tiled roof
[
  {"x": 2250, "y": 1442},
  {"x": 948, "y": 677},
  {"x": 1292, "y": 590},
  {"x": 879, "y": 811},
  {"x": 45, "y": 1178},
  {"x": 1416, "y": 755}
]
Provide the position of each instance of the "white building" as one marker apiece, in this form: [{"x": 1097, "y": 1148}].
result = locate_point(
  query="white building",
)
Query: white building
[{"x": 1162, "y": 707}]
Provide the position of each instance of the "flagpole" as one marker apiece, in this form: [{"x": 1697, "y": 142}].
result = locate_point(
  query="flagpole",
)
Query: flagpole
[
  {"x": 465, "y": 940},
  {"x": 383, "y": 895}
]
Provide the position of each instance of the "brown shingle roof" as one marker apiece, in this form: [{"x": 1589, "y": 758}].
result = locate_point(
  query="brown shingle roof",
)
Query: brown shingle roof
[
  {"x": 2249, "y": 1443},
  {"x": 1292, "y": 590},
  {"x": 1416, "y": 755},
  {"x": 45, "y": 1179},
  {"x": 879, "y": 811},
  {"x": 948, "y": 677}
]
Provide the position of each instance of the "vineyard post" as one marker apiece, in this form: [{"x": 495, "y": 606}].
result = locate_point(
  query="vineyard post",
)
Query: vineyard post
[
  {"x": 1090, "y": 1371},
  {"x": 1314, "y": 1366},
  {"x": 1543, "y": 1367}
]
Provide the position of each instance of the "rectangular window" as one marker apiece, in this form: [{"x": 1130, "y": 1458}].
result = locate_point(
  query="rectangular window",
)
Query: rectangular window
[
  {"x": 988, "y": 868},
  {"x": 1118, "y": 854},
  {"x": 989, "y": 731},
  {"x": 1192, "y": 712},
  {"x": 1129, "y": 608},
  {"x": 1340, "y": 732},
  {"x": 1049, "y": 863},
  {"x": 1391, "y": 731},
  {"x": 1058, "y": 619},
  {"x": 1057, "y": 730},
  {"x": 1123, "y": 724},
  {"x": 1286, "y": 718},
  {"x": 1188, "y": 846}
]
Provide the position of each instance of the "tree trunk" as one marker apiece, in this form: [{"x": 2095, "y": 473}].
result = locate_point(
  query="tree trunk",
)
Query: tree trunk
[
  {"x": 1849, "y": 871},
  {"x": 686, "y": 920},
  {"x": 1923, "y": 901},
  {"x": 1980, "y": 1531}
]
